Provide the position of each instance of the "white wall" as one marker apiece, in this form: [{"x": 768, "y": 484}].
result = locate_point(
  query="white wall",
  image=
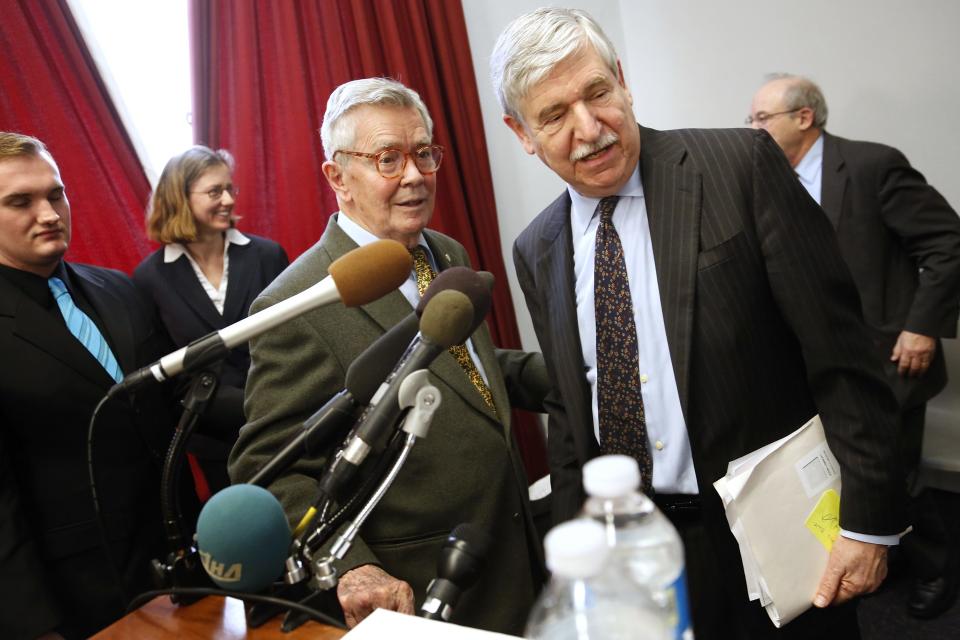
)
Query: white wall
[{"x": 887, "y": 67}]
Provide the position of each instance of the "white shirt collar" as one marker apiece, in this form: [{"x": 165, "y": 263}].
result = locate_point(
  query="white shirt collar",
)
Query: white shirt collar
[
  {"x": 174, "y": 250},
  {"x": 583, "y": 208},
  {"x": 363, "y": 237}
]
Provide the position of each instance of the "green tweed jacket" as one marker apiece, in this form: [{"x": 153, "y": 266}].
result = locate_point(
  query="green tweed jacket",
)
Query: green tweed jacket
[{"x": 468, "y": 469}]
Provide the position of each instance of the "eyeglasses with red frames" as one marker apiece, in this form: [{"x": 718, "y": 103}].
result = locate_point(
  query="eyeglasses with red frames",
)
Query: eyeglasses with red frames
[{"x": 391, "y": 162}]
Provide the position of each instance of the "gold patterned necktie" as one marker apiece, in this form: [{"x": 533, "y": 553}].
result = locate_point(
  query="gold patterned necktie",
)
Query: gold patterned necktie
[
  {"x": 623, "y": 426},
  {"x": 425, "y": 275}
]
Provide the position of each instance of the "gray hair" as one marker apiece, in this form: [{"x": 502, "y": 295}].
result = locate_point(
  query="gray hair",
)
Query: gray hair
[
  {"x": 356, "y": 93},
  {"x": 803, "y": 92},
  {"x": 533, "y": 44}
]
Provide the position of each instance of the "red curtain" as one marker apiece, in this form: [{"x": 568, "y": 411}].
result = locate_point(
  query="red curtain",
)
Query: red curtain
[
  {"x": 50, "y": 88},
  {"x": 262, "y": 74}
]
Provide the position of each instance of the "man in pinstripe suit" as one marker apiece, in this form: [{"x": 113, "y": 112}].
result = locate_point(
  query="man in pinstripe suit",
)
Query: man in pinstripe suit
[{"x": 746, "y": 318}]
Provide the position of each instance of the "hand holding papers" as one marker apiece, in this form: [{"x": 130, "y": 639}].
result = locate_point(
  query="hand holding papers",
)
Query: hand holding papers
[{"x": 783, "y": 505}]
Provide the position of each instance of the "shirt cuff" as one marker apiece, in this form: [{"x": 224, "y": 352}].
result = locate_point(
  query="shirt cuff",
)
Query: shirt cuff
[{"x": 889, "y": 541}]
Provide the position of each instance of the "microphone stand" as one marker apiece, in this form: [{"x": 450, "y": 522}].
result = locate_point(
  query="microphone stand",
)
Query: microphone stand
[
  {"x": 423, "y": 399},
  {"x": 183, "y": 567}
]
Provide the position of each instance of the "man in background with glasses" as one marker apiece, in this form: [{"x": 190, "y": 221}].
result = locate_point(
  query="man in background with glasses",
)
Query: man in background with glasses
[
  {"x": 901, "y": 241},
  {"x": 381, "y": 164}
]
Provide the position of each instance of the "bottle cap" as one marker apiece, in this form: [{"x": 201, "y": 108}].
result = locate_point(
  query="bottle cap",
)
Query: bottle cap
[
  {"x": 577, "y": 548},
  {"x": 611, "y": 476}
]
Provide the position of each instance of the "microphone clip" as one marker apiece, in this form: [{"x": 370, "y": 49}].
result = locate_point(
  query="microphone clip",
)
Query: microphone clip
[{"x": 422, "y": 399}]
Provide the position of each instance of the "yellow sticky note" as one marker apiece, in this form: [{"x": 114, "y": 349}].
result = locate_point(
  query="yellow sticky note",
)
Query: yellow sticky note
[{"x": 824, "y": 520}]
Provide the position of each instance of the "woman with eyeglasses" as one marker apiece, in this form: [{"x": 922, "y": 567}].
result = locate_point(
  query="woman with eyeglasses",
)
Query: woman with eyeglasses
[{"x": 204, "y": 278}]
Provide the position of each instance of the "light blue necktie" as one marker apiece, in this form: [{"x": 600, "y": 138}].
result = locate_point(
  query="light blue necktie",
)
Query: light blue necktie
[{"x": 84, "y": 329}]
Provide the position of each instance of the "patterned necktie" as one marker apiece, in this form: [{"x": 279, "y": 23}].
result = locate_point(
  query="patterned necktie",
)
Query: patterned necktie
[
  {"x": 84, "y": 329},
  {"x": 425, "y": 276},
  {"x": 623, "y": 428}
]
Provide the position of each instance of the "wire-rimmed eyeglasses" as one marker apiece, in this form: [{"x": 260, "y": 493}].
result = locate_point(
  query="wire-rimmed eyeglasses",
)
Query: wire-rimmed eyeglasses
[{"x": 762, "y": 117}]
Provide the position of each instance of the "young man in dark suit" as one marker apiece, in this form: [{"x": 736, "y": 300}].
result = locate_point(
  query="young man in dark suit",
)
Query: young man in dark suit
[
  {"x": 901, "y": 240},
  {"x": 732, "y": 320},
  {"x": 58, "y": 576}
]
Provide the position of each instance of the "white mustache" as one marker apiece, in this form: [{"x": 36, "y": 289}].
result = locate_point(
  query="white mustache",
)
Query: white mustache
[{"x": 585, "y": 150}]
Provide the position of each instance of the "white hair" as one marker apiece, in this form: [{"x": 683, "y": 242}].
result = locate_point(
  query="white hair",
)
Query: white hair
[
  {"x": 356, "y": 93},
  {"x": 533, "y": 44}
]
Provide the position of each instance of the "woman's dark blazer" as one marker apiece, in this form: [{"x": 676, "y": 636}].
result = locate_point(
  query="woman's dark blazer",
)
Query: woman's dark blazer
[
  {"x": 186, "y": 310},
  {"x": 187, "y": 313}
]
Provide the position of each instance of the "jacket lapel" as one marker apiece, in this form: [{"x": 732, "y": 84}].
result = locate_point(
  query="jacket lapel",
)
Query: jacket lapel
[
  {"x": 243, "y": 273},
  {"x": 48, "y": 334},
  {"x": 394, "y": 307},
  {"x": 113, "y": 314},
  {"x": 184, "y": 281},
  {"x": 833, "y": 180},
  {"x": 386, "y": 311},
  {"x": 446, "y": 366},
  {"x": 673, "y": 199},
  {"x": 554, "y": 275}
]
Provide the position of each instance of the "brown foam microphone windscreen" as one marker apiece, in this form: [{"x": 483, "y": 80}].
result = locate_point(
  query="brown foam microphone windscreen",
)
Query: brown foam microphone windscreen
[{"x": 370, "y": 272}]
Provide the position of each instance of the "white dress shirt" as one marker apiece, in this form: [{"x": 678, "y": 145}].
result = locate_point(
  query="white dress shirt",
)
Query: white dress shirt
[
  {"x": 217, "y": 295},
  {"x": 810, "y": 169},
  {"x": 666, "y": 428}
]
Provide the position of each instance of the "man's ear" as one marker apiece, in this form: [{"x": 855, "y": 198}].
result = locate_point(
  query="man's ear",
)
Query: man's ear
[
  {"x": 805, "y": 116},
  {"x": 333, "y": 172},
  {"x": 521, "y": 131}
]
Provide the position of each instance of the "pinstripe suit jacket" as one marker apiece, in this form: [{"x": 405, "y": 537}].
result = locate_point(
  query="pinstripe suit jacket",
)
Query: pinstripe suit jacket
[{"x": 762, "y": 320}]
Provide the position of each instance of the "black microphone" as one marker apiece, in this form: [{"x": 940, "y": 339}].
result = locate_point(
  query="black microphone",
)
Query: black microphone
[
  {"x": 459, "y": 566},
  {"x": 366, "y": 372},
  {"x": 356, "y": 278},
  {"x": 447, "y": 320},
  {"x": 364, "y": 376}
]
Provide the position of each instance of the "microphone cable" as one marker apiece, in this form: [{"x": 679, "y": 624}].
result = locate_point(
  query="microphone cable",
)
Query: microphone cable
[
  {"x": 97, "y": 513},
  {"x": 326, "y": 527},
  {"x": 146, "y": 596}
]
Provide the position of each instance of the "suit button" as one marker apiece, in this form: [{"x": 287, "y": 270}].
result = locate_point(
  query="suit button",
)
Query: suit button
[{"x": 516, "y": 516}]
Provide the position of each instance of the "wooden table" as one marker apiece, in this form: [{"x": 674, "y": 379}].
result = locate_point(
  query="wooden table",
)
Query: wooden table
[{"x": 211, "y": 617}]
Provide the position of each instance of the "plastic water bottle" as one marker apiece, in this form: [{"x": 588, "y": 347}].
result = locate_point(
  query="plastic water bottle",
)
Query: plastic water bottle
[
  {"x": 588, "y": 598},
  {"x": 642, "y": 539}
]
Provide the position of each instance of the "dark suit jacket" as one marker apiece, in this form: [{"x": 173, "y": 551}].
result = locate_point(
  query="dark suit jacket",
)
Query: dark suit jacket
[
  {"x": 187, "y": 313},
  {"x": 761, "y": 316},
  {"x": 901, "y": 241},
  {"x": 468, "y": 469},
  {"x": 53, "y": 571},
  {"x": 186, "y": 310}
]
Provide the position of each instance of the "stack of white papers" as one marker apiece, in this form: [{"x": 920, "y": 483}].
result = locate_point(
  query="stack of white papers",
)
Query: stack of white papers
[
  {"x": 783, "y": 506},
  {"x": 398, "y": 626}
]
